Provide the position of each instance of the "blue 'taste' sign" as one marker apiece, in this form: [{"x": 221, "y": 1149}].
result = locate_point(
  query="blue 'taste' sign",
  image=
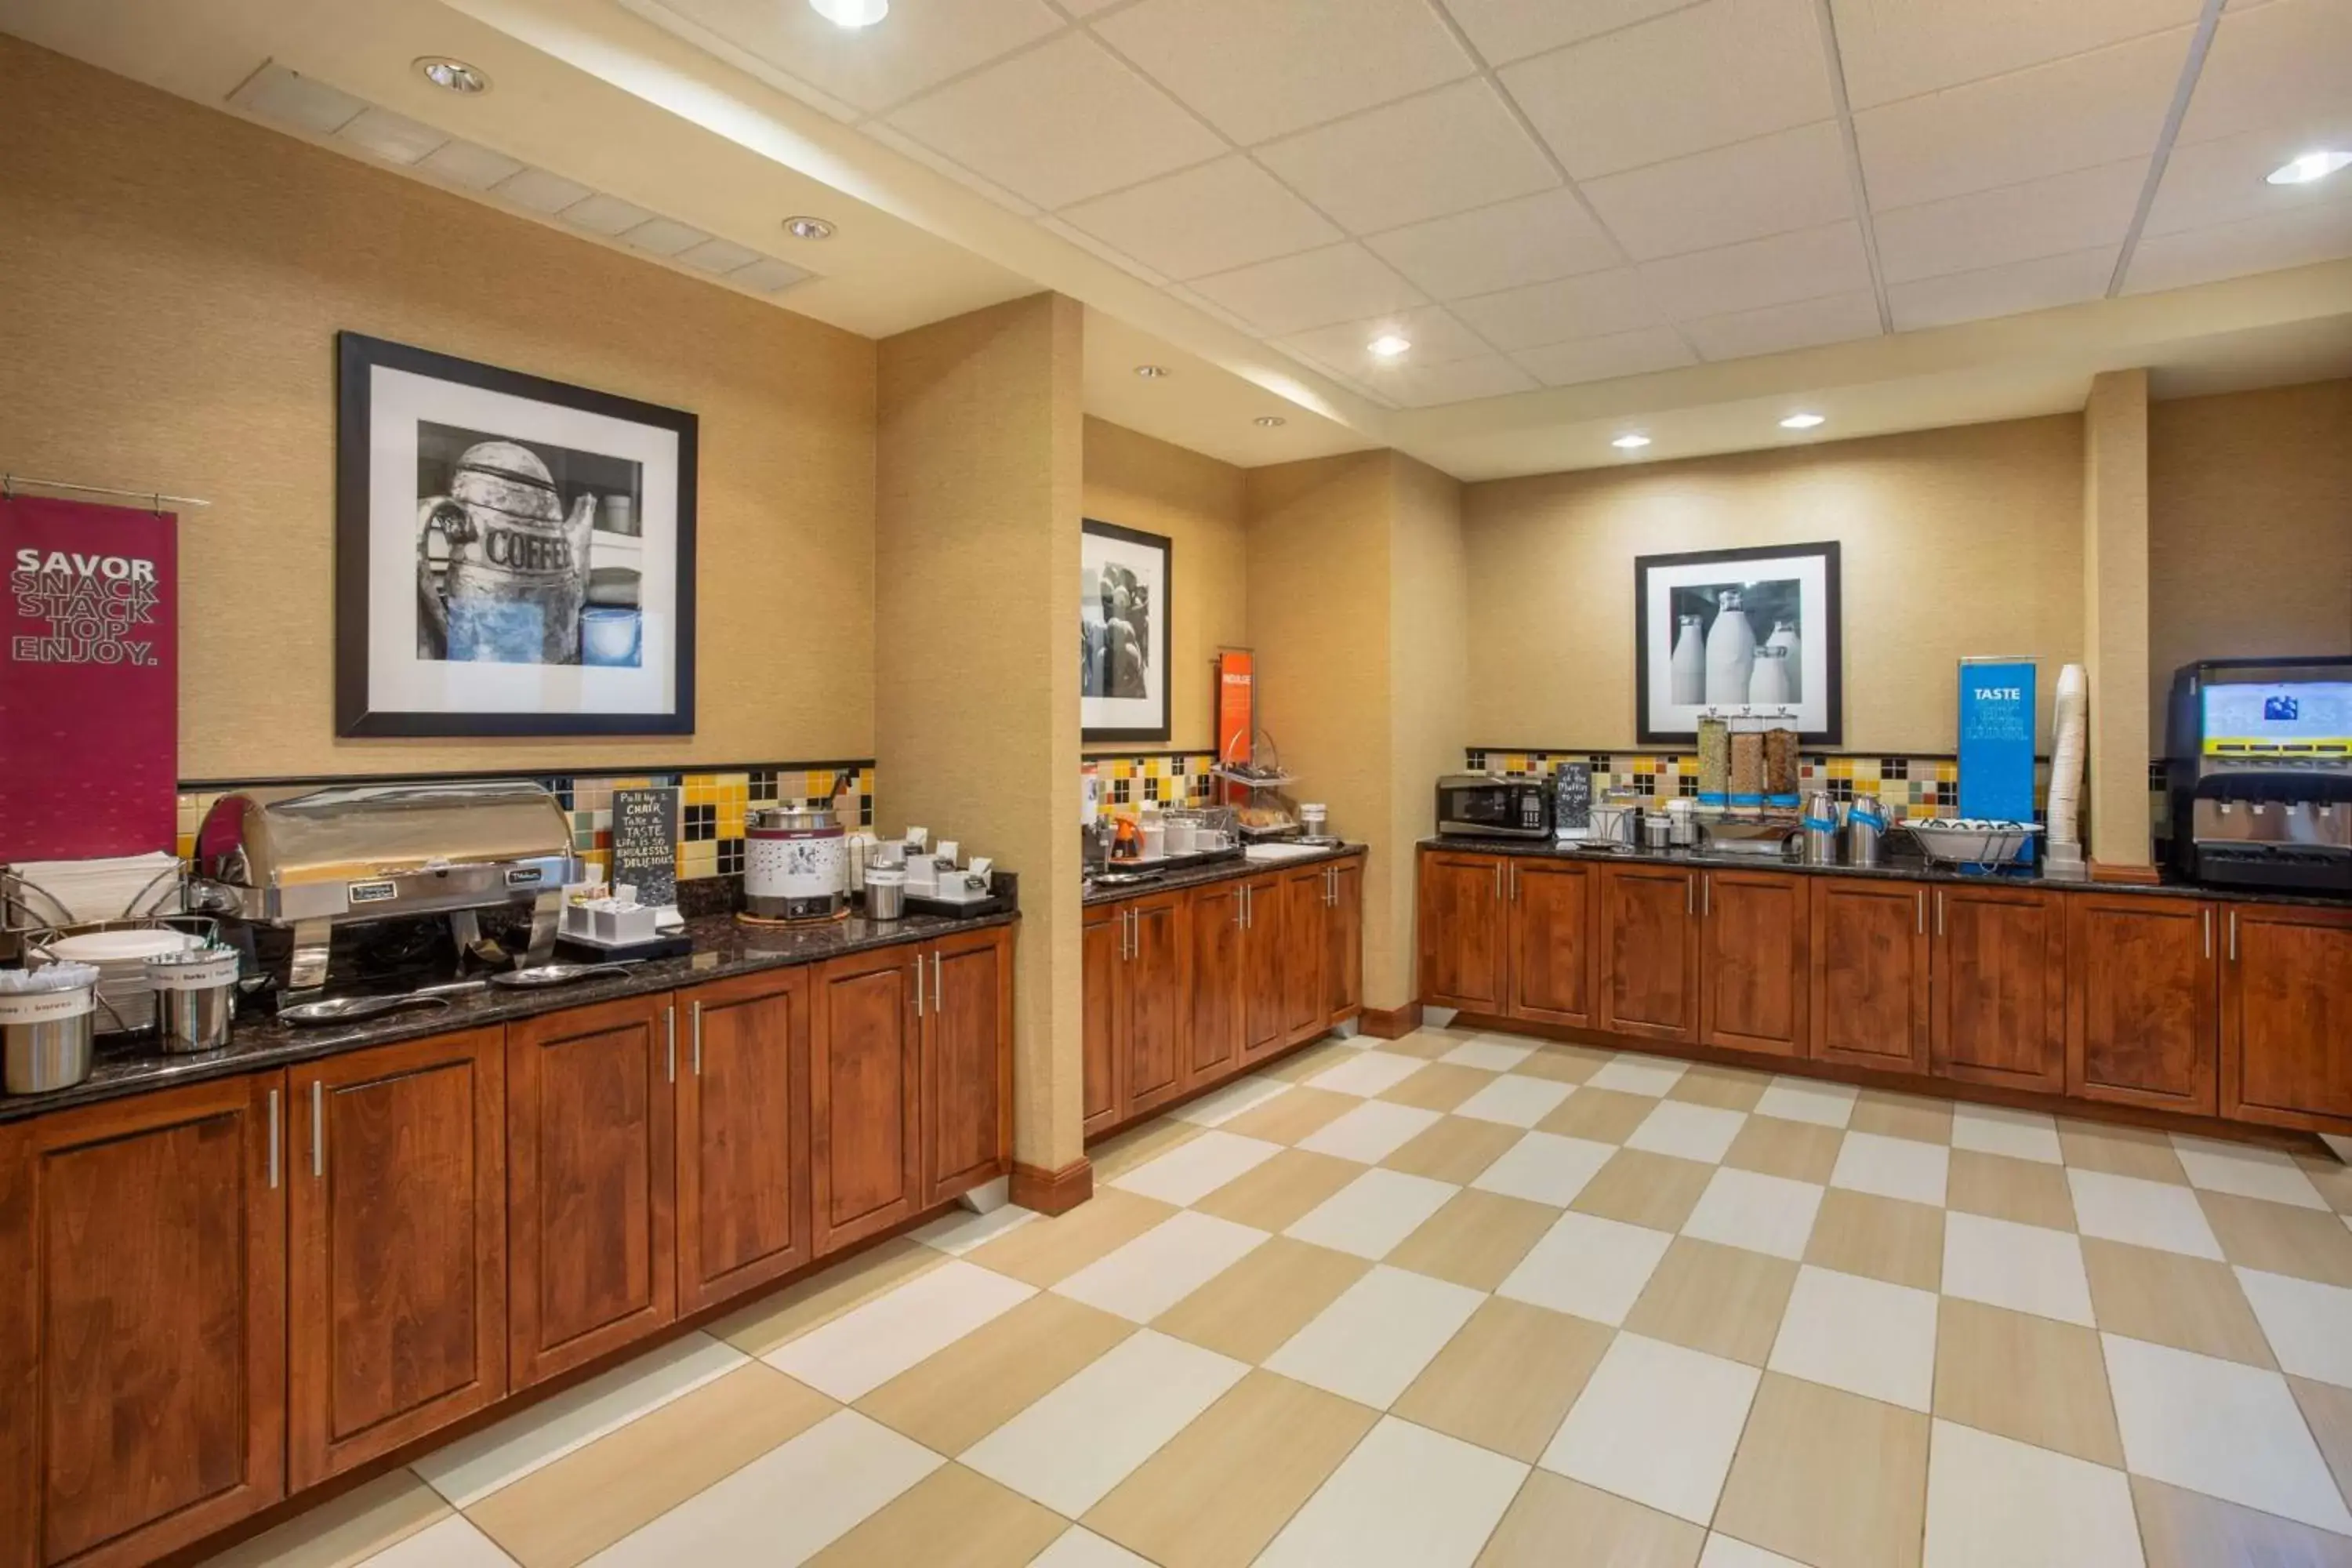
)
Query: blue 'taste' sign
[{"x": 1997, "y": 740}]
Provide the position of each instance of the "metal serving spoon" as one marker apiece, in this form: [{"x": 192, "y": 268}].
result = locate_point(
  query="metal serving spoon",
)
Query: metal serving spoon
[
  {"x": 560, "y": 973},
  {"x": 351, "y": 1009}
]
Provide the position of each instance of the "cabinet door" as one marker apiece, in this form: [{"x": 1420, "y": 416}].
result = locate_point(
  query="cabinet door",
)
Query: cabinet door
[
  {"x": 1999, "y": 987},
  {"x": 2143, "y": 1001},
  {"x": 591, "y": 1122},
  {"x": 865, "y": 1096},
  {"x": 1305, "y": 901},
  {"x": 1102, "y": 1074},
  {"x": 743, "y": 1135},
  {"x": 1462, "y": 931},
  {"x": 2287, "y": 1012},
  {"x": 397, "y": 1247},
  {"x": 967, "y": 1063},
  {"x": 1265, "y": 1014},
  {"x": 1553, "y": 956},
  {"x": 1216, "y": 1020},
  {"x": 1868, "y": 1000},
  {"x": 1343, "y": 944},
  {"x": 1151, "y": 1007},
  {"x": 1752, "y": 979},
  {"x": 143, "y": 1322},
  {"x": 1649, "y": 952}
]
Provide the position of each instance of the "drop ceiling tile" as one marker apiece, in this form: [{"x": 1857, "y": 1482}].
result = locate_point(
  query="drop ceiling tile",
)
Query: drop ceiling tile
[
  {"x": 463, "y": 164},
  {"x": 2286, "y": 66},
  {"x": 1058, "y": 124},
  {"x": 2098, "y": 107},
  {"x": 1463, "y": 380},
  {"x": 1777, "y": 329},
  {"x": 769, "y": 275},
  {"x": 1437, "y": 338},
  {"x": 1315, "y": 289},
  {"x": 2079, "y": 210},
  {"x": 2222, "y": 181},
  {"x": 1258, "y": 68},
  {"x": 541, "y": 192},
  {"x": 1636, "y": 352},
  {"x": 292, "y": 99},
  {"x": 1792, "y": 180},
  {"x": 1583, "y": 306},
  {"x": 1900, "y": 49},
  {"x": 664, "y": 236},
  {"x": 924, "y": 44},
  {"x": 1210, "y": 219},
  {"x": 1112, "y": 254},
  {"x": 720, "y": 255},
  {"x": 1507, "y": 30},
  {"x": 1804, "y": 265},
  {"x": 922, "y": 152},
  {"x": 1706, "y": 77},
  {"x": 1532, "y": 240},
  {"x": 2230, "y": 250},
  {"x": 2011, "y": 289},
  {"x": 395, "y": 138},
  {"x": 1440, "y": 153},
  {"x": 601, "y": 214}
]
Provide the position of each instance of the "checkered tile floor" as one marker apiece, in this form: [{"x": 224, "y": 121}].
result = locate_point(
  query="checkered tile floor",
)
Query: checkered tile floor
[{"x": 1466, "y": 1297}]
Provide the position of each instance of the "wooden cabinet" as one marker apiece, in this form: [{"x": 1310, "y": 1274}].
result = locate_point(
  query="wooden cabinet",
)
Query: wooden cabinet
[
  {"x": 1649, "y": 952},
  {"x": 1216, "y": 1018},
  {"x": 1343, "y": 944},
  {"x": 967, "y": 1063},
  {"x": 743, "y": 1180},
  {"x": 865, "y": 1094},
  {"x": 1266, "y": 1003},
  {"x": 2287, "y": 1015},
  {"x": 1465, "y": 946},
  {"x": 143, "y": 1322},
  {"x": 1553, "y": 961},
  {"x": 2144, "y": 1001},
  {"x": 1999, "y": 984},
  {"x": 1867, "y": 985},
  {"x": 1753, "y": 968},
  {"x": 1150, "y": 982},
  {"x": 396, "y": 1212},
  {"x": 1102, "y": 1074},
  {"x": 1306, "y": 900}
]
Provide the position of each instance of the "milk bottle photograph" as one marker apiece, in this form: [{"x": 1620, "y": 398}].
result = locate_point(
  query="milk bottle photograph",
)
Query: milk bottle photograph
[
  {"x": 1730, "y": 651},
  {"x": 1784, "y": 637},
  {"x": 1737, "y": 633},
  {"x": 1690, "y": 667}
]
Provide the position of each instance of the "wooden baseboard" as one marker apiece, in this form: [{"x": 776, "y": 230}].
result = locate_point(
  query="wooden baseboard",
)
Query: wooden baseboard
[
  {"x": 1391, "y": 1023},
  {"x": 1054, "y": 1192},
  {"x": 2107, "y": 871}
]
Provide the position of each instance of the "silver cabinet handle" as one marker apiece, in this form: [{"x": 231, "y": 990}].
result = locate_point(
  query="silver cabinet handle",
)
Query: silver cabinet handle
[
  {"x": 1498, "y": 881},
  {"x": 694, "y": 1017},
  {"x": 2207, "y": 916},
  {"x": 2233, "y": 936},
  {"x": 1922, "y": 916},
  {"x": 669, "y": 1025},
  {"x": 940, "y": 985},
  {"x": 1706, "y": 894},
  {"x": 1239, "y": 905},
  {"x": 273, "y": 1139},
  {"x": 317, "y": 1126},
  {"x": 918, "y": 979},
  {"x": 1690, "y": 894},
  {"x": 1245, "y": 906},
  {"x": 1940, "y": 911}
]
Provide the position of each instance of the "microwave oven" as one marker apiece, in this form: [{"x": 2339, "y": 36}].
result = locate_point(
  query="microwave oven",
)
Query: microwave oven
[{"x": 1488, "y": 805}]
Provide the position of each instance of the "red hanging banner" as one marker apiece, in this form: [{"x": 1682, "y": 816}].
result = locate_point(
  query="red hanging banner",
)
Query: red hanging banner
[{"x": 89, "y": 673}]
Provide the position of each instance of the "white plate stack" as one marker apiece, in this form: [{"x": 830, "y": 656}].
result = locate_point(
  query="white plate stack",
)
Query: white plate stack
[{"x": 120, "y": 958}]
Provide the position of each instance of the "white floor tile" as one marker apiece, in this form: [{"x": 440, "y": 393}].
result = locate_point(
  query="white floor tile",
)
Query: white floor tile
[
  {"x": 1657, "y": 1424},
  {"x": 1589, "y": 1266},
  {"x": 1221, "y": 1106},
  {"x": 1701, "y": 1133},
  {"x": 1545, "y": 1168},
  {"x": 1370, "y": 1343},
  {"x": 1763, "y": 1214},
  {"x": 1076, "y": 1548},
  {"x": 865, "y": 1348},
  {"x": 1370, "y": 1132},
  {"x": 1997, "y": 1129},
  {"x": 1072, "y": 1446},
  {"x": 1141, "y": 1278},
  {"x": 1723, "y": 1552},
  {"x": 960, "y": 1230},
  {"x": 2309, "y": 1324},
  {"x": 1865, "y": 1336},
  {"x": 1372, "y": 1214},
  {"x": 1892, "y": 1167},
  {"x": 1515, "y": 1100},
  {"x": 453, "y": 1542},
  {"x": 2021, "y": 1266},
  {"x": 785, "y": 1506},
  {"x": 1632, "y": 1073},
  {"x": 2145, "y": 1214},
  {"x": 1197, "y": 1167},
  {"x": 1994, "y": 1502},
  {"x": 2246, "y": 1171},
  {"x": 1808, "y": 1100},
  {"x": 1493, "y": 1053},
  {"x": 1406, "y": 1497},
  {"x": 1367, "y": 1073},
  {"x": 472, "y": 1468},
  {"x": 2222, "y": 1428}
]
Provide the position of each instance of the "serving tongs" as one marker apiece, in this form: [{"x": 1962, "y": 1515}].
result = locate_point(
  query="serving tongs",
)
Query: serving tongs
[{"x": 351, "y": 1009}]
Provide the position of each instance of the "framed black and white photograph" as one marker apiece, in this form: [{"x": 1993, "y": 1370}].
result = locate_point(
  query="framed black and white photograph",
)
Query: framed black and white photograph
[
  {"x": 1737, "y": 633},
  {"x": 513, "y": 555},
  {"x": 1123, "y": 579}
]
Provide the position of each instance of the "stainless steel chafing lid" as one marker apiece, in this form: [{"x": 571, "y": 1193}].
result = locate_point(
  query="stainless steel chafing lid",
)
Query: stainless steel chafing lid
[{"x": 290, "y": 838}]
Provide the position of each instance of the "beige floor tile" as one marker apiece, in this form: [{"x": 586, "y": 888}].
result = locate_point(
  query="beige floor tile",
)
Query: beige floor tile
[
  {"x": 1440, "y": 1085},
  {"x": 1248, "y": 1311},
  {"x": 2279, "y": 1239},
  {"x": 1426, "y": 1044},
  {"x": 1564, "y": 1063},
  {"x": 1642, "y": 1188},
  {"x": 1551, "y": 1512},
  {"x": 1883, "y": 1238},
  {"x": 1602, "y": 1115},
  {"x": 346, "y": 1529},
  {"x": 1902, "y": 1116},
  {"x": 2181, "y": 1529},
  {"x": 2166, "y": 1299},
  {"x": 773, "y": 1320},
  {"x": 2331, "y": 1175},
  {"x": 1115, "y": 1157},
  {"x": 1506, "y": 1379},
  {"x": 2033, "y": 1379},
  {"x": 1476, "y": 1239},
  {"x": 1281, "y": 1191},
  {"x": 574, "y": 1508},
  {"x": 1726, "y": 1300},
  {"x": 951, "y": 1519},
  {"x": 1727, "y": 1088},
  {"x": 2004, "y": 1188},
  {"x": 1288, "y": 1117},
  {"x": 2120, "y": 1150},
  {"x": 1829, "y": 1478},
  {"x": 1226, "y": 1484},
  {"x": 2327, "y": 1411},
  {"x": 1302, "y": 1065},
  {"x": 1800, "y": 1151},
  {"x": 955, "y": 1398},
  {"x": 1047, "y": 1251},
  {"x": 1455, "y": 1148}
]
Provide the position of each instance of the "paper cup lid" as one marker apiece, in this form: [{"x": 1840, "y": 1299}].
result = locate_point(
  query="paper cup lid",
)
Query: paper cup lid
[
  {"x": 44, "y": 1007},
  {"x": 198, "y": 971}
]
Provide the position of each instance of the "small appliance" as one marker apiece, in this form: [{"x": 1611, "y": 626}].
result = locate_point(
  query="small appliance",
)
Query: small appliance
[
  {"x": 2258, "y": 770},
  {"x": 1489, "y": 806}
]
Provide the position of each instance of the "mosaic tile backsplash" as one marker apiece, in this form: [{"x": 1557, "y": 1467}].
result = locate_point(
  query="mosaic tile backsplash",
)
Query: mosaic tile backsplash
[
  {"x": 1906, "y": 786},
  {"x": 1168, "y": 778}
]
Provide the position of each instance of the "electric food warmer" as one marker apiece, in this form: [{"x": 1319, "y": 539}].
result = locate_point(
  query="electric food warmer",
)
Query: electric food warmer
[{"x": 2258, "y": 773}]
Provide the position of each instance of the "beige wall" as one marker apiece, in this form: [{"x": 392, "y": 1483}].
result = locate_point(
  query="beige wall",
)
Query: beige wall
[
  {"x": 2115, "y": 618},
  {"x": 1965, "y": 540},
  {"x": 1199, "y": 503},
  {"x": 171, "y": 283},
  {"x": 1429, "y": 681}
]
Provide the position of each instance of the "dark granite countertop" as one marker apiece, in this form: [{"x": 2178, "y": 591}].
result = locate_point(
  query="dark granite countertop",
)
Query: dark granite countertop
[
  {"x": 1198, "y": 872},
  {"x": 722, "y": 947}
]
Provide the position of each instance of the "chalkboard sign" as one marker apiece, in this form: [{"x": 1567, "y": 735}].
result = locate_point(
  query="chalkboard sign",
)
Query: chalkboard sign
[
  {"x": 645, "y": 844},
  {"x": 1571, "y": 785}
]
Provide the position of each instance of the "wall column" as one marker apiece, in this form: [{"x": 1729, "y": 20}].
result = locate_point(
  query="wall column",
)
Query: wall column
[{"x": 2114, "y": 624}]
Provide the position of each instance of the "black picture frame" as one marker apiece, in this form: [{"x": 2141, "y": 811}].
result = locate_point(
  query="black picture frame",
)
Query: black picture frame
[
  {"x": 357, "y": 356},
  {"x": 1830, "y": 731},
  {"x": 1158, "y": 639}
]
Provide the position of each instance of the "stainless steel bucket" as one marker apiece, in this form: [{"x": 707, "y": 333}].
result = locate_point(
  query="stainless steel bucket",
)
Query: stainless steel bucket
[
  {"x": 194, "y": 998},
  {"x": 47, "y": 1039}
]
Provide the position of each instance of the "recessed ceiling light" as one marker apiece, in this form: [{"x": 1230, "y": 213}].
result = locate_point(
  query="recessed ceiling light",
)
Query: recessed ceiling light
[
  {"x": 1152, "y": 371},
  {"x": 1387, "y": 345},
  {"x": 808, "y": 228},
  {"x": 454, "y": 75},
  {"x": 1630, "y": 442},
  {"x": 851, "y": 13},
  {"x": 1802, "y": 421},
  {"x": 1270, "y": 421},
  {"x": 2309, "y": 167}
]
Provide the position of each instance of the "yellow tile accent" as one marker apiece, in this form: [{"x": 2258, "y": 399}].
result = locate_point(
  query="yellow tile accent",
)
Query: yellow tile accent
[
  {"x": 1841, "y": 767},
  {"x": 185, "y": 847},
  {"x": 1947, "y": 772},
  {"x": 730, "y": 819}
]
